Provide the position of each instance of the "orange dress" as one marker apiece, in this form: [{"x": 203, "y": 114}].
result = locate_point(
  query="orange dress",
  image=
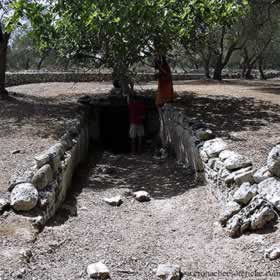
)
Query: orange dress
[{"x": 165, "y": 85}]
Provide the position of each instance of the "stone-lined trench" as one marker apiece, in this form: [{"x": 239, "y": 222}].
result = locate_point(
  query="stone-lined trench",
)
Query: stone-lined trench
[{"x": 179, "y": 225}]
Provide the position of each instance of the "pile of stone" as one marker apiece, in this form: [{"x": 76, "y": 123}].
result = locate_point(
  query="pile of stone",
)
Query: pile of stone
[
  {"x": 257, "y": 200},
  {"x": 41, "y": 189},
  {"x": 252, "y": 196}
]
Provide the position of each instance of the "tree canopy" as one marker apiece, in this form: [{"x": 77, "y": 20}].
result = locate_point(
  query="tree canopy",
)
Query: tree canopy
[
  {"x": 123, "y": 32},
  {"x": 115, "y": 33}
]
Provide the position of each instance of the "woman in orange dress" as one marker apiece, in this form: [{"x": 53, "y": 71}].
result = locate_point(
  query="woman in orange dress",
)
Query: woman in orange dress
[
  {"x": 165, "y": 94},
  {"x": 165, "y": 85}
]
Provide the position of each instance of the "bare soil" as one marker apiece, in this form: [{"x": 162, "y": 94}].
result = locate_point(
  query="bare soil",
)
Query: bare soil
[{"x": 178, "y": 225}]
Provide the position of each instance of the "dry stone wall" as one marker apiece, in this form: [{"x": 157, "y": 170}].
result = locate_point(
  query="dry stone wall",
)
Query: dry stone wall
[
  {"x": 39, "y": 192},
  {"x": 250, "y": 198},
  {"x": 14, "y": 79}
]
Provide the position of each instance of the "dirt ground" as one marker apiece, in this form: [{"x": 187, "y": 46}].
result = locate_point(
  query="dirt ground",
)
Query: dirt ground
[{"x": 178, "y": 225}]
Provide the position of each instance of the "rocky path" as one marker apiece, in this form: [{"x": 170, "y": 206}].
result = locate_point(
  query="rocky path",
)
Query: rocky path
[{"x": 178, "y": 226}]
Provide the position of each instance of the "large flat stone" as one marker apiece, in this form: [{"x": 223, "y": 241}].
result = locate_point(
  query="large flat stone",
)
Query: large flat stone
[
  {"x": 236, "y": 161},
  {"x": 214, "y": 147}
]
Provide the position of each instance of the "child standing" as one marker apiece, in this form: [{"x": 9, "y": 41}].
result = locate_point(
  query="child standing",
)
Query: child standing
[{"x": 136, "y": 118}]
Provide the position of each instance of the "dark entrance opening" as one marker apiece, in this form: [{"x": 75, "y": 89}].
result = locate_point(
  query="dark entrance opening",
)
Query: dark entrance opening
[
  {"x": 114, "y": 128},
  {"x": 111, "y": 123}
]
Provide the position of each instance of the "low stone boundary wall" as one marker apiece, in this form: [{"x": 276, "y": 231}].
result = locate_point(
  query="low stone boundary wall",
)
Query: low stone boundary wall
[
  {"x": 250, "y": 198},
  {"x": 14, "y": 79},
  {"x": 39, "y": 192}
]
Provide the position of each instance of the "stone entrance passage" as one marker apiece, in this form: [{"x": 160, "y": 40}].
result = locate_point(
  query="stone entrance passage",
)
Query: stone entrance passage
[
  {"x": 114, "y": 128},
  {"x": 110, "y": 121}
]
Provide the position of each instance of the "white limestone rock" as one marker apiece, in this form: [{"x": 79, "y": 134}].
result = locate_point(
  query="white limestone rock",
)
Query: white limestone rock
[
  {"x": 245, "y": 193},
  {"x": 203, "y": 155},
  {"x": 236, "y": 161},
  {"x": 24, "y": 197},
  {"x": 56, "y": 153},
  {"x": 254, "y": 216},
  {"x": 230, "y": 178},
  {"x": 98, "y": 271},
  {"x": 42, "y": 159},
  {"x": 270, "y": 189},
  {"x": 230, "y": 210},
  {"x": 114, "y": 201},
  {"x": 142, "y": 196},
  {"x": 43, "y": 177},
  {"x": 273, "y": 161},
  {"x": 244, "y": 177},
  {"x": 25, "y": 178},
  {"x": 260, "y": 218},
  {"x": 214, "y": 147},
  {"x": 262, "y": 174},
  {"x": 169, "y": 272},
  {"x": 226, "y": 154},
  {"x": 273, "y": 253}
]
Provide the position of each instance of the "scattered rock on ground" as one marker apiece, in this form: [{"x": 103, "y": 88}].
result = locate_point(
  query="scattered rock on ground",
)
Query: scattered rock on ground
[
  {"x": 106, "y": 169},
  {"x": 245, "y": 193},
  {"x": 273, "y": 253},
  {"x": 142, "y": 196},
  {"x": 273, "y": 161},
  {"x": 24, "y": 197},
  {"x": 114, "y": 201},
  {"x": 98, "y": 271},
  {"x": 169, "y": 272}
]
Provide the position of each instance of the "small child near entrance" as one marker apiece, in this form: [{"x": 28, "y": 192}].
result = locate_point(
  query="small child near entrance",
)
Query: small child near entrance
[{"x": 136, "y": 118}]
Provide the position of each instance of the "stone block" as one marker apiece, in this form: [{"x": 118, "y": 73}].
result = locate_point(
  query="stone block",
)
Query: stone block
[
  {"x": 214, "y": 147},
  {"x": 273, "y": 161},
  {"x": 24, "y": 197},
  {"x": 43, "y": 177}
]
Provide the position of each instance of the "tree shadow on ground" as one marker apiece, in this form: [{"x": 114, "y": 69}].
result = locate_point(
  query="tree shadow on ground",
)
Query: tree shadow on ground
[
  {"x": 44, "y": 117},
  {"x": 104, "y": 171},
  {"x": 80, "y": 181},
  {"x": 226, "y": 114}
]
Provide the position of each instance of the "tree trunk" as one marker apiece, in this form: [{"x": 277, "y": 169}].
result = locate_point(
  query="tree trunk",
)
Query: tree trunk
[
  {"x": 39, "y": 65},
  {"x": 207, "y": 71},
  {"x": 248, "y": 75},
  {"x": 262, "y": 75},
  {"x": 3, "y": 62},
  {"x": 218, "y": 70}
]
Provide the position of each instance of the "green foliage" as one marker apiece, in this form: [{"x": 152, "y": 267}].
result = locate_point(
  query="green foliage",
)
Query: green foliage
[{"x": 120, "y": 33}]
